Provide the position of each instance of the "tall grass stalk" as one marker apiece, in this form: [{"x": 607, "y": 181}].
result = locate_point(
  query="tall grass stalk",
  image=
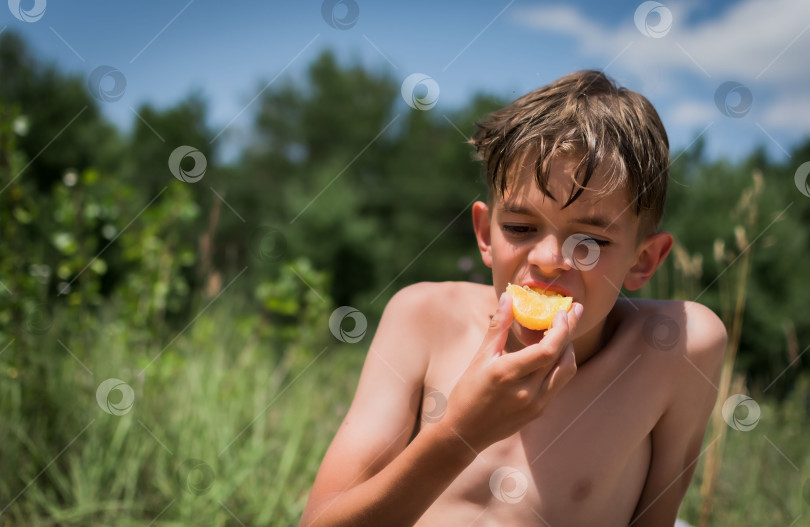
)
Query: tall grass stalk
[{"x": 733, "y": 321}]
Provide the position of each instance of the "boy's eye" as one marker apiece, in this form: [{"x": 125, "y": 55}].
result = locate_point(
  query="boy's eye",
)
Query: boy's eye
[{"x": 516, "y": 229}]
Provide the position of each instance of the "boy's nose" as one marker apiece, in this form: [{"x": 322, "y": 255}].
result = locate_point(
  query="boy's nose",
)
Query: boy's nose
[{"x": 547, "y": 255}]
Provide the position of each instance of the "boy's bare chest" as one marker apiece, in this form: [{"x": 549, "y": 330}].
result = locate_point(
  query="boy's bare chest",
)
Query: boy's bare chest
[{"x": 584, "y": 461}]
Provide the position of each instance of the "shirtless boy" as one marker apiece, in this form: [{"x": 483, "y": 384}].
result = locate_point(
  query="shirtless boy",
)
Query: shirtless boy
[{"x": 464, "y": 417}]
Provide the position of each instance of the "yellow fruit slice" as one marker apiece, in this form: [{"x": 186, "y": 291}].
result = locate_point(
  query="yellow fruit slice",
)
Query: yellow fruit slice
[{"x": 535, "y": 309}]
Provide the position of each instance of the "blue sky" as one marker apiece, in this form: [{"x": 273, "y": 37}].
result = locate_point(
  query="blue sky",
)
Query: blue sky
[{"x": 681, "y": 55}]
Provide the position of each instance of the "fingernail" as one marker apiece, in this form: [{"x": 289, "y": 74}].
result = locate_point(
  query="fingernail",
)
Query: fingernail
[{"x": 578, "y": 310}]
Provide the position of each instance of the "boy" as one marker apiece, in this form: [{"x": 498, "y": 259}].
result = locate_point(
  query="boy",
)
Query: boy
[{"x": 464, "y": 417}]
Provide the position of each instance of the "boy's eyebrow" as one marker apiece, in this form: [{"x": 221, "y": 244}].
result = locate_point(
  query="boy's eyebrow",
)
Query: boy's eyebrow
[
  {"x": 516, "y": 209},
  {"x": 597, "y": 221}
]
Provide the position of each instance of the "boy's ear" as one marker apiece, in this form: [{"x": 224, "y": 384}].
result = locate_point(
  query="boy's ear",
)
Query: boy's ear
[
  {"x": 651, "y": 253},
  {"x": 483, "y": 231}
]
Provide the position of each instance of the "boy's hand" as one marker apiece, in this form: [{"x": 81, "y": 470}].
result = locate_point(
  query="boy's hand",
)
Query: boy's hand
[{"x": 501, "y": 392}]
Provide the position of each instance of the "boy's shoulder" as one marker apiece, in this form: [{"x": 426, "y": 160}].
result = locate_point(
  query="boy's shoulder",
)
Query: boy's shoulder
[
  {"x": 442, "y": 308},
  {"x": 443, "y": 298},
  {"x": 676, "y": 328}
]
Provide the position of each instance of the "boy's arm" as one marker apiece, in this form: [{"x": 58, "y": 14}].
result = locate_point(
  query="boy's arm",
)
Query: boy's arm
[
  {"x": 678, "y": 436},
  {"x": 371, "y": 475}
]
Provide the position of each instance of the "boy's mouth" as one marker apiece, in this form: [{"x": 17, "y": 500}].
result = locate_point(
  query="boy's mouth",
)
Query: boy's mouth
[{"x": 545, "y": 287}]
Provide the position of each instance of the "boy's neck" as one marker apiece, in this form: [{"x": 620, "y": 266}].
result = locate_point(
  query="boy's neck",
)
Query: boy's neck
[{"x": 592, "y": 342}]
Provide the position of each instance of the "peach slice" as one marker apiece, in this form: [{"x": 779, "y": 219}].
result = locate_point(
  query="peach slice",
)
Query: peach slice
[{"x": 536, "y": 309}]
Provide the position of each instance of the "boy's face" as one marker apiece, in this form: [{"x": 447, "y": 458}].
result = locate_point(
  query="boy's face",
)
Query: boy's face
[{"x": 588, "y": 250}]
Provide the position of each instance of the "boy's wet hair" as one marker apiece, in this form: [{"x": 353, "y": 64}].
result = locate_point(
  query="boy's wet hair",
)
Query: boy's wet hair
[{"x": 585, "y": 114}]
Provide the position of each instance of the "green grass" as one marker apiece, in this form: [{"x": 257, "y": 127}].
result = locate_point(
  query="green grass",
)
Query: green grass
[
  {"x": 258, "y": 419},
  {"x": 765, "y": 475}
]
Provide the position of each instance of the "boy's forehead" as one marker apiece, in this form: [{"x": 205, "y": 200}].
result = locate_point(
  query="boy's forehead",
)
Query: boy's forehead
[{"x": 522, "y": 187}]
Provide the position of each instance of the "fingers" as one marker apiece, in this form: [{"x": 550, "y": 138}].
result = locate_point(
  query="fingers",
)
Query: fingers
[
  {"x": 573, "y": 317},
  {"x": 546, "y": 383},
  {"x": 545, "y": 353},
  {"x": 548, "y": 351},
  {"x": 499, "y": 325},
  {"x": 561, "y": 373}
]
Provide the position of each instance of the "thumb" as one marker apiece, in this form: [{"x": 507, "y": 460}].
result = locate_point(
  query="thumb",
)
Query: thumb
[
  {"x": 573, "y": 316},
  {"x": 499, "y": 325}
]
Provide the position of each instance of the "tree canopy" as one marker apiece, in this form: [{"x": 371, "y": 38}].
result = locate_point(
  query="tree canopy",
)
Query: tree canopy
[{"x": 344, "y": 191}]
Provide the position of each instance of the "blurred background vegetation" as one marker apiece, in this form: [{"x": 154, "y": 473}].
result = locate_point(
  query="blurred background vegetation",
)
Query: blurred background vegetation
[{"x": 211, "y": 300}]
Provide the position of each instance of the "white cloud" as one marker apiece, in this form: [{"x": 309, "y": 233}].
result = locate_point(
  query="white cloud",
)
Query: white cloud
[
  {"x": 790, "y": 113},
  {"x": 763, "y": 45},
  {"x": 751, "y": 41}
]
